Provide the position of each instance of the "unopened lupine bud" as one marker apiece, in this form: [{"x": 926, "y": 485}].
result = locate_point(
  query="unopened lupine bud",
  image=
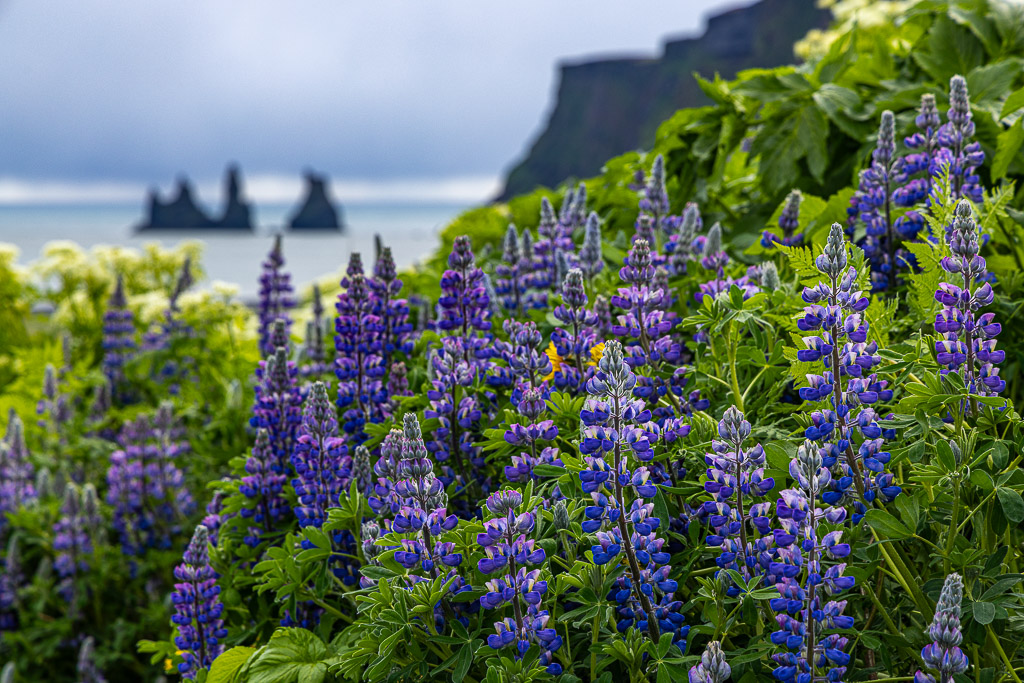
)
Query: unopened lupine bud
[
  {"x": 713, "y": 243},
  {"x": 510, "y": 253},
  {"x": 769, "y": 277},
  {"x": 833, "y": 259},
  {"x": 560, "y": 515},
  {"x": 712, "y": 667},
  {"x": 885, "y": 149}
]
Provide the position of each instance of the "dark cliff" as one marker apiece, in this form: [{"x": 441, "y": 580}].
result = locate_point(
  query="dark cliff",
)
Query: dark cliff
[{"x": 608, "y": 107}]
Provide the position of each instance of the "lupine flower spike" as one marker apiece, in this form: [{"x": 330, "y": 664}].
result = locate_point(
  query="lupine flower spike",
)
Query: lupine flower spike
[
  {"x": 197, "y": 608},
  {"x": 276, "y": 297},
  {"x": 712, "y": 667},
  {"x": 943, "y": 654}
]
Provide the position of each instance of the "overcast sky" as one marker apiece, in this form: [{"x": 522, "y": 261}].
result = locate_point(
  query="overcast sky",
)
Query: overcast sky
[{"x": 102, "y": 96}]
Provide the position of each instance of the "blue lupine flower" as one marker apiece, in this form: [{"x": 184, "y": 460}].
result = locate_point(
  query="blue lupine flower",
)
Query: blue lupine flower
[
  {"x": 118, "y": 338},
  {"x": 943, "y": 654},
  {"x": 321, "y": 462},
  {"x": 591, "y": 258},
  {"x": 712, "y": 667},
  {"x": 395, "y": 331},
  {"x": 358, "y": 365},
  {"x": 16, "y": 471},
  {"x": 314, "y": 363},
  {"x": 263, "y": 486},
  {"x": 789, "y": 221},
  {"x": 11, "y": 579},
  {"x": 197, "y": 608},
  {"x": 967, "y": 341},
  {"x": 917, "y": 169},
  {"x": 956, "y": 149},
  {"x": 834, "y": 313},
  {"x": 803, "y": 615},
  {"x": 278, "y": 406},
  {"x": 73, "y": 541},
  {"x": 275, "y": 297}
]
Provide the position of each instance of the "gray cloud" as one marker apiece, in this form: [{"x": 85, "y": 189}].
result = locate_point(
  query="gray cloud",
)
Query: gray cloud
[{"x": 137, "y": 91}]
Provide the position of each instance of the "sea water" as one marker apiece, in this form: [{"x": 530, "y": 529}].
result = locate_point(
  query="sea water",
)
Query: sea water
[{"x": 410, "y": 230}]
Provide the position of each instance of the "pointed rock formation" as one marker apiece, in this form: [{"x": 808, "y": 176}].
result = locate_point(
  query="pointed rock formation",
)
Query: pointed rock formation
[
  {"x": 237, "y": 212},
  {"x": 179, "y": 212},
  {"x": 317, "y": 212}
]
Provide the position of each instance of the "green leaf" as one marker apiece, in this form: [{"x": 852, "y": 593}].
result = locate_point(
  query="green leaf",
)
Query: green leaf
[
  {"x": 945, "y": 456},
  {"x": 1014, "y": 102},
  {"x": 1007, "y": 148},
  {"x": 1012, "y": 504},
  {"x": 228, "y": 664},
  {"x": 293, "y": 655},
  {"x": 991, "y": 81},
  {"x": 887, "y": 525},
  {"x": 661, "y": 508},
  {"x": 984, "y": 612},
  {"x": 465, "y": 661}
]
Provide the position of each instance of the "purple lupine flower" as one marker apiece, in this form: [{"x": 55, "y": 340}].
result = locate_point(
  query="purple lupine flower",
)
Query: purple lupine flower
[
  {"x": 530, "y": 437},
  {"x": 197, "y": 607},
  {"x": 73, "y": 543},
  {"x": 618, "y": 426},
  {"x": 11, "y": 579},
  {"x": 956, "y": 149},
  {"x": 508, "y": 552},
  {"x": 464, "y": 307},
  {"x": 943, "y": 654},
  {"x": 512, "y": 283},
  {"x": 16, "y": 471},
  {"x": 314, "y": 363},
  {"x": 734, "y": 472},
  {"x": 321, "y": 462},
  {"x": 789, "y": 222},
  {"x": 683, "y": 246},
  {"x": 645, "y": 321},
  {"x": 214, "y": 517},
  {"x": 263, "y": 486},
  {"x": 162, "y": 333},
  {"x": 397, "y": 388},
  {"x": 712, "y": 667},
  {"x": 278, "y": 406},
  {"x": 358, "y": 365},
  {"x": 146, "y": 486},
  {"x": 574, "y": 343},
  {"x": 804, "y": 584},
  {"x": 874, "y": 205},
  {"x": 967, "y": 341},
  {"x": 54, "y": 406},
  {"x": 118, "y": 338},
  {"x": 86, "y": 670},
  {"x": 527, "y": 364},
  {"x": 395, "y": 331},
  {"x": 591, "y": 258},
  {"x": 712, "y": 255},
  {"x": 554, "y": 238},
  {"x": 917, "y": 169},
  {"x": 840, "y": 344},
  {"x": 276, "y": 297},
  {"x": 654, "y": 203},
  {"x": 456, "y": 408}
]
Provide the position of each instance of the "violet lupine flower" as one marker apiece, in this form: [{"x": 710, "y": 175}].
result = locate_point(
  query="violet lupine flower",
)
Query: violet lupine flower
[
  {"x": 162, "y": 333},
  {"x": 73, "y": 543},
  {"x": 118, "y": 338},
  {"x": 321, "y": 462},
  {"x": 11, "y": 579},
  {"x": 530, "y": 437},
  {"x": 513, "y": 281},
  {"x": 917, "y": 169},
  {"x": 358, "y": 365},
  {"x": 553, "y": 240},
  {"x": 789, "y": 221},
  {"x": 574, "y": 345},
  {"x": 968, "y": 341},
  {"x": 712, "y": 255},
  {"x": 395, "y": 330},
  {"x": 276, "y": 297},
  {"x": 654, "y": 203},
  {"x": 873, "y": 205},
  {"x": 834, "y": 313},
  {"x": 145, "y": 486},
  {"x": 16, "y": 471},
  {"x": 278, "y": 406},
  {"x": 527, "y": 364},
  {"x": 314, "y": 362},
  {"x": 956, "y": 148},
  {"x": 943, "y": 654},
  {"x": 645, "y": 321},
  {"x": 263, "y": 486},
  {"x": 614, "y": 425},
  {"x": 682, "y": 246},
  {"x": 805, "y": 610},
  {"x": 591, "y": 258},
  {"x": 86, "y": 670},
  {"x": 455, "y": 406},
  {"x": 397, "y": 387},
  {"x": 197, "y": 606},
  {"x": 508, "y": 552},
  {"x": 734, "y": 472},
  {"x": 214, "y": 517},
  {"x": 712, "y": 667},
  {"x": 54, "y": 406},
  {"x": 464, "y": 307}
]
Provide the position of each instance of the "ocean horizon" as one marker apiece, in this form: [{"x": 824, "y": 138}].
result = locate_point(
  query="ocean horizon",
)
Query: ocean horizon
[{"x": 411, "y": 230}]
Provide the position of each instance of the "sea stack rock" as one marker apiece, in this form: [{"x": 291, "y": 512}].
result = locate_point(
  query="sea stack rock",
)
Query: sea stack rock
[
  {"x": 237, "y": 212},
  {"x": 317, "y": 212},
  {"x": 180, "y": 212}
]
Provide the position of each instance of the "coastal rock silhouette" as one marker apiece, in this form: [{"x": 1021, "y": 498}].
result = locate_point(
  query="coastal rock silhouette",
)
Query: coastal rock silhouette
[
  {"x": 317, "y": 211},
  {"x": 182, "y": 212}
]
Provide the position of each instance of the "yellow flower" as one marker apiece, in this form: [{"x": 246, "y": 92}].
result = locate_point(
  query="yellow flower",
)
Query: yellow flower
[
  {"x": 168, "y": 664},
  {"x": 557, "y": 361}
]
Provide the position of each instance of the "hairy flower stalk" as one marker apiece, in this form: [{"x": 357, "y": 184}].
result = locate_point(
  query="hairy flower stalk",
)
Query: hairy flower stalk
[
  {"x": 197, "y": 608},
  {"x": 654, "y": 203},
  {"x": 358, "y": 365},
  {"x": 508, "y": 550},
  {"x": 712, "y": 667},
  {"x": 118, "y": 339},
  {"x": 278, "y": 407},
  {"x": 591, "y": 258},
  {"x": 943, "y": 654},
  {"x": 54, "y": 406},
  {"x": 804, "y": 617},
  {"x": 968, "y": 341},
  {"x": 789, "y": 222},
  {"x": 616, "y": 423},
  {"x": 734, "y": 472},
  {"x": 275, "y": 297},
  {"x": 555, "y": 238},
  {"x": 834, "y": 311}
]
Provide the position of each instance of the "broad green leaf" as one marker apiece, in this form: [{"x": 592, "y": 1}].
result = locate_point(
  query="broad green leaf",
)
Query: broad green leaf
[
  {"x": 984, "y": 612},
  {"x": 227, "y": 665},
  {"x": 1008, "y": 149},
  {"x": 1014, "y": 102},
  {"x": 886, "y": 525},
  {"x": 1012, "y": 504}
]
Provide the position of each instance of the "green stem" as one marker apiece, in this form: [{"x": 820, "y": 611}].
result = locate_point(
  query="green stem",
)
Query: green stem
[
  {"x": 1002, "y": 653},
  {"x": 734, "y": 376},
  {"x": 951, "y": 536},
  {"x": 904, "y": 577}
]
